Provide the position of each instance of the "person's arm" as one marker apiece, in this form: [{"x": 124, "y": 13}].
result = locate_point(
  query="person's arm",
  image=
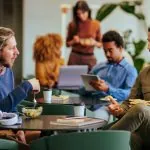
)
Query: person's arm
[
  {"x": 119, "y": 93},
  {"x": 19, "y": 93},
  {"x": 70, "y": 35},
  {"x": 123, "y": 93},
  {"x": 14, "y": 97},
  {"x": 75, "y": 40},
  {"x": 136, "y": 92}
]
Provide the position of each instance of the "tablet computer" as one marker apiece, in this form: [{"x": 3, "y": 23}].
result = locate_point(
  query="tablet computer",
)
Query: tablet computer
[{"x": 86, "y": 78}]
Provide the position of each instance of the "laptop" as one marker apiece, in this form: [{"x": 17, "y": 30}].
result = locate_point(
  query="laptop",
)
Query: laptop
[{"x": 70, "y": 77}]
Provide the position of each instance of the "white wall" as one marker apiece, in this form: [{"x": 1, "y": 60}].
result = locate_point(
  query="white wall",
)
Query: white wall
[{"x": 43, "y": 16}]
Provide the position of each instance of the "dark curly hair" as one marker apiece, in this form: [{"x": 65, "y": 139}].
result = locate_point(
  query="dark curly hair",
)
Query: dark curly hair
[
  {"x": 113, "y": 36},
  {"x": 148, "y": 29}
]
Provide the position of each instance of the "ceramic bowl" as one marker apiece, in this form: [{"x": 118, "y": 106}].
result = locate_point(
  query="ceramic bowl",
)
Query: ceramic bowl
[{"x": 9, "y": 119}]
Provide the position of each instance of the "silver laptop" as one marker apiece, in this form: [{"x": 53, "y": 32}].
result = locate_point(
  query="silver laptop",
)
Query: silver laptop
[{"x": 70, "y": 77}]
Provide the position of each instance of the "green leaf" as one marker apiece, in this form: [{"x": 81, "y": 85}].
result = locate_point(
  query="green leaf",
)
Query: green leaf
[
  {"x": 131, "y": 9},
  {"x": 104, "y": 11},
  {"x": 127, "y": 8},
  {"x": 140, "y": 16},
  {"x": 139, "y": 46},
  {"x": 138, "y": 63}
]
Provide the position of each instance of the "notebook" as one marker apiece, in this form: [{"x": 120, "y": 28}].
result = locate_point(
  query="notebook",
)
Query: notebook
[
  {"x": 76, "y": 121},
  {"x": 70, "y": 77}
]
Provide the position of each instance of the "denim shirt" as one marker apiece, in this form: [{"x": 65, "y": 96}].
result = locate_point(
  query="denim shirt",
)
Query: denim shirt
[{"x": 120, "y": 78}]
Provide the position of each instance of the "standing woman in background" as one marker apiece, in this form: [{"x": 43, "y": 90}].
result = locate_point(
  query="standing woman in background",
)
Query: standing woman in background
[{"x": 83, "y": 35}]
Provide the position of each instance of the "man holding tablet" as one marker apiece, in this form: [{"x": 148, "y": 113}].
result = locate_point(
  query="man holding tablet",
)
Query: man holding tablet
[{"x": 116, "y": 75}]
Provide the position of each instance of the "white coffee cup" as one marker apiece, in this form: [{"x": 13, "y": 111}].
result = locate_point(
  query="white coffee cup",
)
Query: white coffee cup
[
  {"x": 79, "y": 110},
  {"x": 47, "y": 95}
]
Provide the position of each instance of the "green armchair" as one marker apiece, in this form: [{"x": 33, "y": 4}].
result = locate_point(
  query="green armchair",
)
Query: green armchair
[{"x": 101, "y": 140}]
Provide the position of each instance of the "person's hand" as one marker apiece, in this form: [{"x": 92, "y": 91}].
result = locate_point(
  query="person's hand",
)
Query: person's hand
[
  {"x": 93, "y": 42},
  {"x": 114, "y": 108},
  {"x": 76, "y": 39},
  {"x": 21, "y": 136},
  {"x": 100, "y": 85},
  {"x": 35, "y": 85}
]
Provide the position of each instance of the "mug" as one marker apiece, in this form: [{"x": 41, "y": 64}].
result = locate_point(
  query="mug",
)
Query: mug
[
  {"x": 47, "y": 93},
  {"x": 79, "y": 110}
]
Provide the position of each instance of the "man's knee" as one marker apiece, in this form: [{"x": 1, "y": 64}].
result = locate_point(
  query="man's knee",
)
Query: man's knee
[{"x": 140, "y": 108}]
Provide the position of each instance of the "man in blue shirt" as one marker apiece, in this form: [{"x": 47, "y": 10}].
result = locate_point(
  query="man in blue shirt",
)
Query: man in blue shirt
[{"x": 117, "y": 76}]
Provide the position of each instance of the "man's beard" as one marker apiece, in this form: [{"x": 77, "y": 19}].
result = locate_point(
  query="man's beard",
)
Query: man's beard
[{"x": 110, "y": 61}]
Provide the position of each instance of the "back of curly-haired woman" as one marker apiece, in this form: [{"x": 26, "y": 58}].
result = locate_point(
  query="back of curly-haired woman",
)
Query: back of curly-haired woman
[{"x": 47, "y": 56}]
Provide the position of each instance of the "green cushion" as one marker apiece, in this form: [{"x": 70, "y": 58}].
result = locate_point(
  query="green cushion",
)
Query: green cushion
[{"x": 8, "y": 145}]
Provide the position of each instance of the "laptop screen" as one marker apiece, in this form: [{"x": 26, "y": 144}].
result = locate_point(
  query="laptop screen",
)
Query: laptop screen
[{"x": 70, "y": 76}]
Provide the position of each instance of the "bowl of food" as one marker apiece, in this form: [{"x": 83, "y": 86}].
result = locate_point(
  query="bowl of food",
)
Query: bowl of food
[
  {"x": 8, "y": 119},
  {"x": 32, "y": 112}
]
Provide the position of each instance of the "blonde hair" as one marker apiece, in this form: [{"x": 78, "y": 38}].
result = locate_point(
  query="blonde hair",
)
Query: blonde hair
[
  {"x": 47, "y": 55},
  {"x": 5, "y": 34}
]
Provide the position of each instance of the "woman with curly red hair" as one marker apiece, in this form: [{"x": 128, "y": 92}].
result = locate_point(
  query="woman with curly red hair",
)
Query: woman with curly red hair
[{"x": 47, "y": 56}]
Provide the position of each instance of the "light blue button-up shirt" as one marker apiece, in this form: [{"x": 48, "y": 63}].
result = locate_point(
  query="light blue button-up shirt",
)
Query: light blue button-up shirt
[{"x": 119, "y": 76}]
